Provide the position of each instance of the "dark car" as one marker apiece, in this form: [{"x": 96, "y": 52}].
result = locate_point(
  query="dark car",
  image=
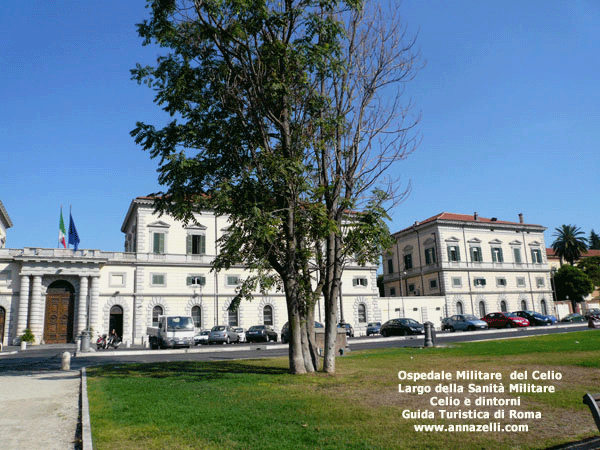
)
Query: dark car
[
  {"x": 593, "y": 312},
  {"x": 401, "y": 327},
  {"x": 464, "y": 322},
  {"x": 348, "y": 328},
  {"x": 573, "y": 318},
  {"x": 534, "y": 318},
  {"x": 260, "y": 333},
  {"x": 285, "y": 331},
  {"x": 504, "y": 320},
  {"x": 373, "y": 328}
]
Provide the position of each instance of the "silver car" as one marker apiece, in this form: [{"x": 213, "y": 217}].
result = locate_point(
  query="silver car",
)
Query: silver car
[
  {"x": 464, "y": 322},
  {"x": 222, "y": 334}
]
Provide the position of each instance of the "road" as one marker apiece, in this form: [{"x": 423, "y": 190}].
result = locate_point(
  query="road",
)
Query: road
[{"x": 43, "y": 358}]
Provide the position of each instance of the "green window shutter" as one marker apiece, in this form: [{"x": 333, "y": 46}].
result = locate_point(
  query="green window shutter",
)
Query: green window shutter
[
  {"x": 188, "y": 244},
  {"x": 188, "y": 281},
  {"x": 202, "y": 244}
]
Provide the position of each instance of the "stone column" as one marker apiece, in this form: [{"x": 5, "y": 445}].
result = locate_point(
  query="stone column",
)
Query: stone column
[
  {"x": 23, "y": 305},
  {"x": 82, "y": 305},
  {"x": 94, "y": 304},
  {"x": 36, "y": 317}
]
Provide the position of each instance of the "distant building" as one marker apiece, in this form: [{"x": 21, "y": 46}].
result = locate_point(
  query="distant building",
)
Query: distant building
[
  {"x": 593, "y": 300},
  {"x": 165, "y": 269},
  {"x": 5, "y": 223},
  {"x": 477, "y": 265}
]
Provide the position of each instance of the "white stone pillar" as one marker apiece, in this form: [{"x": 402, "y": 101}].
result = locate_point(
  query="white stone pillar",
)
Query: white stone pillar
[
  {"x": 82, "y": 305},
  {"x": 36, "y": 317},
  {"x": 94, "y": 305},
  {"x": 23, "y": 305}
]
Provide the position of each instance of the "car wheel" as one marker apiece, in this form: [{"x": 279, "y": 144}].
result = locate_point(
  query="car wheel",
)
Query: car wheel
[
  {"x": 471, "y": 328},
  {"x": 509, "y": 325},
  {"x": 452, "y": 330},
  {"x": 228, "y": 341},
  {"x": 384, "y": 333},
  {"x": 403, "y": 333}
]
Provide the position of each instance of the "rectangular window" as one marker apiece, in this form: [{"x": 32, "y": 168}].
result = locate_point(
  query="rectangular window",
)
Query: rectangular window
[
  {"x": 501, "y": 282},
  {"x": 539, "y": 282},
  {"x": 476, "y": 254},
  {"x": 196, "y": 280},
  {"x": 430, "y": 256},
  {"x": 517, "y": 255},
  {"x": 5, "y": 275},
  {"x": 158, "y": 279},
  {"x": 196, "y": 244},
  {"x": 497, "y": 255},
  {"x": 536, "y": 256},
  {"x": 408, "y": 262},
  {"x": 390, "y": 265},
  {"x": 520, "y": 282},
  {"x": 233, "y": 280},
  {"x": 479, "y": 282},
  {"x": 453, "y": 253},
  {"x": 392, "y": 292},
  {"x": 456, "y": 282},
  {"x": 359, "y": 282},
  {"x": 158, "y": 243},
  {"x": 433, "y": 284},
  {"x": 411, "y": 288}
]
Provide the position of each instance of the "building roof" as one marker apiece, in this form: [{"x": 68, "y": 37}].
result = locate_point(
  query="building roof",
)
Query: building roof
[
  {"x": 469, "y": 219},
  {"x": 4, "y": 216},
  {"x": 550, "y": 253}
]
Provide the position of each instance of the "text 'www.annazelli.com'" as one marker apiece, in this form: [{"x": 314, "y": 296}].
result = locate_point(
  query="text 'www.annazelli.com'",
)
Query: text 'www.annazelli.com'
[{"x": 492, "y": 427}]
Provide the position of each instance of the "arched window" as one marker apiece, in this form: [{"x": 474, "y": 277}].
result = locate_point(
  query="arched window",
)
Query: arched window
[
  {"x": 232, "y": 318},
  {"x": 197, "y": 316},
  {"x": 156, "y": 311},
  {"x": 459, "y": 308},
  {"x": 268, "y": 315},
  {"x": 481, "y": 309},
  {"x": 523, "y": 305},
  {"x": 503, "y": 307},
  {"x": 544, "y": 307},
  {"x": 362, "y": 313}
]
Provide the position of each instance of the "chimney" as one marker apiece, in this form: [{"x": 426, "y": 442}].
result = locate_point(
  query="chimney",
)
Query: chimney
[
  {"x": 520, "y": 217},
  {"x": 475, "y": 216}
]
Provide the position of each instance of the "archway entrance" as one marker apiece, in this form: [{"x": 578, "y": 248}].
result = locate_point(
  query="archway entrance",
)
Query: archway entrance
[
  {"x": 2, "y": 321},
  {"x": 60, "y": 313},
  {"x": 116, "y": 320}
]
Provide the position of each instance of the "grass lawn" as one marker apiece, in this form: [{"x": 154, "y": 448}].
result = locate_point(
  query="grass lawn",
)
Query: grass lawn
[{"x": 256, "y": 404}]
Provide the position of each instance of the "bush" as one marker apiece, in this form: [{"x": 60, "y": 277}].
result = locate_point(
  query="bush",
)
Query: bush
[{"x": 27, "y": 336}]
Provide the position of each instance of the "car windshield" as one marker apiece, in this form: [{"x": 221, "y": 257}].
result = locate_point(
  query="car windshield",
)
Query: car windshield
[
  {"x": 471, "y": 318},
  {"x": 219, "y": 328},
  {"x": 373, "y": 324},
  {"x": 510, "y": 315},
  {"x": 409, "y": 322},
  {"x": 257, "y": 328},
  {"x": 179, "y": 323}
]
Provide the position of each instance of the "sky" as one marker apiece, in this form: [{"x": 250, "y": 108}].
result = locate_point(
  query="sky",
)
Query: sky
[{"x": 509, "y": 97}]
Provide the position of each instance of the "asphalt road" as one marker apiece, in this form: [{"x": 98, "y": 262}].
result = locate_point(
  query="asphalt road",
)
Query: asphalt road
[{"x": 49, "y": 357}]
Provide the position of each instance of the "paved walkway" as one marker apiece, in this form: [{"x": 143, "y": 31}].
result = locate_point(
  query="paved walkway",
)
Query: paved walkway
[{"x": 40, "y": 410}]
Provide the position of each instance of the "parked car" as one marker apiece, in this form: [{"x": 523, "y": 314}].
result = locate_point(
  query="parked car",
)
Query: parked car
[
  {"x": 285, "y": 331},
  {"x": 241, "y": 334},
  {"x": 573, "y": 318},
  {"x": 222, "y": 334},
  {"x": 201, "y": 337},
  {"x": 373, "y": 328},
  {"x": 348, "y": 328},
  {"x": 464, "y": 322},
  {"x": 401, "y": 327},
  {"x": 535, "y": 318},
  {"x": 504, "y": 320},
  {"x": 259, "y": 333},
  {"x": 593, "y": 312}
]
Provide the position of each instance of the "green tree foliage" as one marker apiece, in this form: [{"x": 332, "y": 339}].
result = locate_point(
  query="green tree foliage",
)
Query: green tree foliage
[
  {"x": 594, "y": 241},
  {"x": 569, "y": 243},
  {"x": 591, "y": 267},
  {"x": 573, "y": 283},
  {"x": 270, "y": 104}
]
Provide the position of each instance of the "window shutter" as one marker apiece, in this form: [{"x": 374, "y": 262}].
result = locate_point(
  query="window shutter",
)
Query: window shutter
[
  {"x": 188, "y": 244},
  {"x": 188, "y": 281},
  {"x": 202, "y": 244}
]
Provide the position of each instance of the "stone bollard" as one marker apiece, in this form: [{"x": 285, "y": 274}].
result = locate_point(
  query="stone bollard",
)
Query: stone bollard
[
  {"x": 66, "y": 361},
  {"x": 429, "y": 334},
  {"x": 23, "y": 345}
]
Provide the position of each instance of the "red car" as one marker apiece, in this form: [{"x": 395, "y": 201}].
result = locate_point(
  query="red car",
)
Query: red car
[{"x": 504, "y": 320}]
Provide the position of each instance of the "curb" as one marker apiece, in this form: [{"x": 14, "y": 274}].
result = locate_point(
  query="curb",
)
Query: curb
[{"x": 86, "y": 428}]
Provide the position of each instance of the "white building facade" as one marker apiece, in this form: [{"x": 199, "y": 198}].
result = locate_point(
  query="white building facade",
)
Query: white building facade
[
  {"x": 477, "y": 265},
  {"x": 165, "y": 269}
]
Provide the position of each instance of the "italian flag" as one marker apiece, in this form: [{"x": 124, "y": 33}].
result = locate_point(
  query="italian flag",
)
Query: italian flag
[{"x": 62, "y": 231}]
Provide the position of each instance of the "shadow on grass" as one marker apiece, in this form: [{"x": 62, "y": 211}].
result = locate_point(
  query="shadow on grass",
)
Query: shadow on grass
[{"x": 205, "y": 370}]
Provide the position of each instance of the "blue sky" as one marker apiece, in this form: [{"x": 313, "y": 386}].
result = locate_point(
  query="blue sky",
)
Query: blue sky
[{"x": 509, "y": 96}]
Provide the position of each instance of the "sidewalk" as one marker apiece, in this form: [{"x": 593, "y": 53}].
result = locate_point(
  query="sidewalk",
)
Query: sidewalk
[{"x": 40, "y": 410}]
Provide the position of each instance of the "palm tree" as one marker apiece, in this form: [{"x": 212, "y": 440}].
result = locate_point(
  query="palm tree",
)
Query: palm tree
[{"x": 569, "y": 243}]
